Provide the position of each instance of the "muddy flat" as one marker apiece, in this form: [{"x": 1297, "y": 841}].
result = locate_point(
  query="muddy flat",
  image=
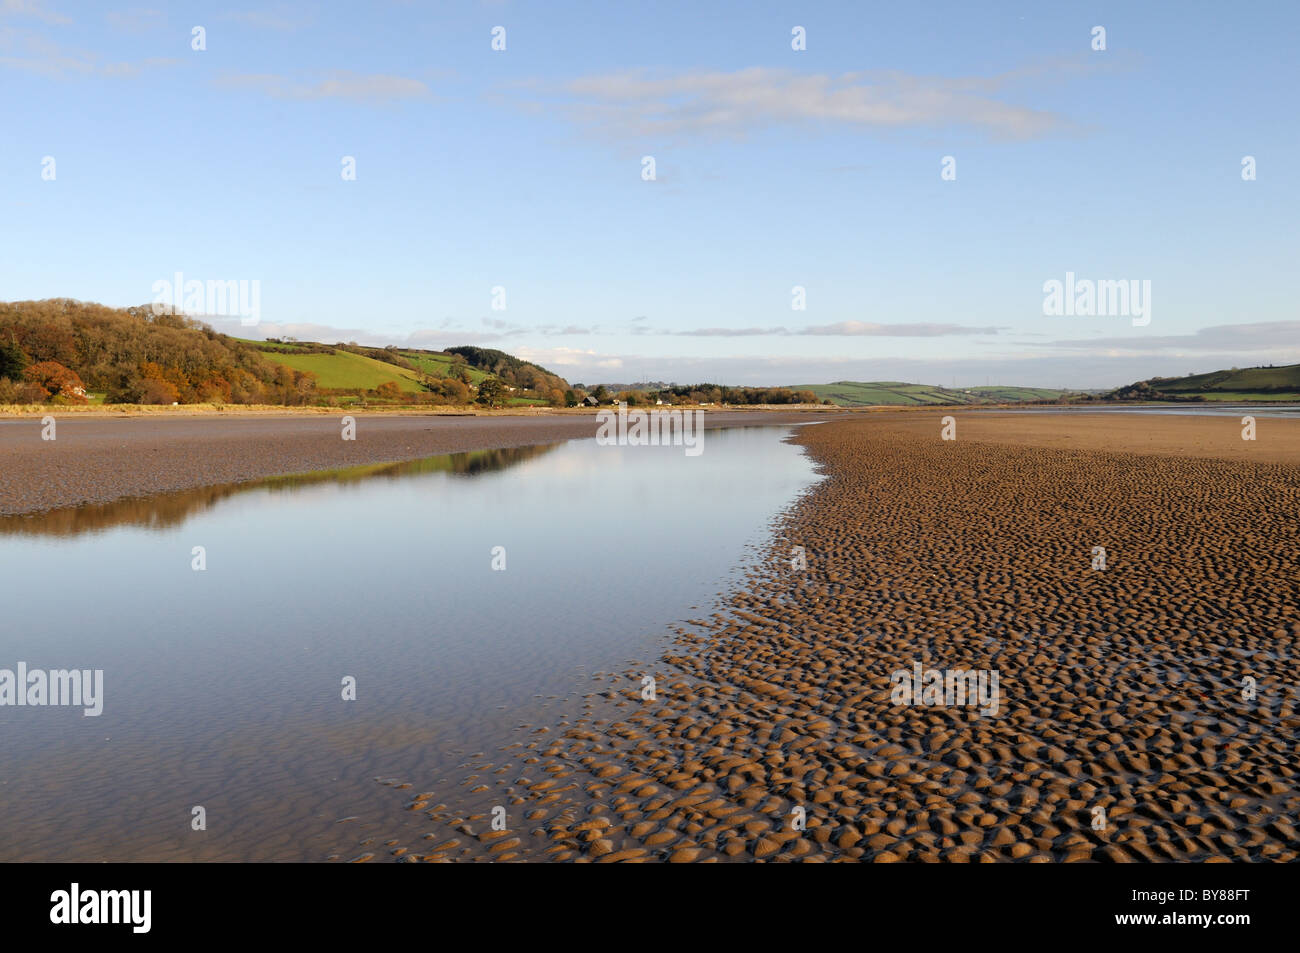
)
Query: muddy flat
[
  {"x": 1146, "y": 708},
  {"x": 96, "y": 459}
]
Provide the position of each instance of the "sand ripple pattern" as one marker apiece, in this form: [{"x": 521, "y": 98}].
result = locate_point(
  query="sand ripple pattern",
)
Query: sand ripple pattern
[{"x": 1120, "y": 688}]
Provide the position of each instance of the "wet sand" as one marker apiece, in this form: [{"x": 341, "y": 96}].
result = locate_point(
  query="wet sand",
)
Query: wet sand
[
  {"x": 97, "y": 459},
  {"x": 1122, "y": 734}
]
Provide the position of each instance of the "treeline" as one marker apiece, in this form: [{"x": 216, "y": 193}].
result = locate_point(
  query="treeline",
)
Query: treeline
[
  {"x": 700, "y": 394},
  {"x": 58, "y": 350},
  {"x": 1143, "y": 390}
]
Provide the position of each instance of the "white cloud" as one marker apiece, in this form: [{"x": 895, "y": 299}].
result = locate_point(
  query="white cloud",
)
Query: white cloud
[
  {"x": 839, "y": 329},
  {"x": 914, "y": 330},
  {"x": 1222, "y": 338},
  {"x": 30, "y": 52},
  {"x": 341, "y": 84},
  {"x": 36, "y": 9},
  {"x": 640, "y": 105},
  {"x": 136, "y": 20},
  {"x": 565, "y": 359},
  {"x": 278, "y": 17}
]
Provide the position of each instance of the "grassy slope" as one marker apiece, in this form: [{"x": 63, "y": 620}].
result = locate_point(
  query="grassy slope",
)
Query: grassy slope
[
  {"x": 345, "y": 370},
  {"x": 342, "y": 369},
  {"x": 857, "y": 393},
  {"x": 1003, "y": 393},
  {"x": 1243, "y": 384},
  {"x": 439, "y": 365}
]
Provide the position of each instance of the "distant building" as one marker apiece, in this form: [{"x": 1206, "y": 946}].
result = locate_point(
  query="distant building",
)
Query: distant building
[{"x": 590, "y": 401}]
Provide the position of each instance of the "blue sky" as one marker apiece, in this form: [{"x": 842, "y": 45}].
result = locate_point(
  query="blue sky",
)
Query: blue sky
[{"x": 774, "y": 168}]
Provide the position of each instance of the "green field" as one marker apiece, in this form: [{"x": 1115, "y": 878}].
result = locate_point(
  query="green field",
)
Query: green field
[
  {"x": 896, "y": 393},
  {"x": 344, "y": 370},
  {"x": 1004, "y": 394},
  {"x": 1247, "y": 383},
  {"x": 440, "y": 365}
]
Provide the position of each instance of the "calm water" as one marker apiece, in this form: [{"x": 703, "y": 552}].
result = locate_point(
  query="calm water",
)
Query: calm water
[{"x": 222, "y": 688}]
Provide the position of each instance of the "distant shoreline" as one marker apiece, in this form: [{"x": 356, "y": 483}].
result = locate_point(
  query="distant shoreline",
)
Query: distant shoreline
[{"x": 22, "y": 411}]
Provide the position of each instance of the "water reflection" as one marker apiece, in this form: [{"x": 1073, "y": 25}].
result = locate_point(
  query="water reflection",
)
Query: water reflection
[
  {"x": 170, "y": 510},
  {"x": 222, "y": 686}
]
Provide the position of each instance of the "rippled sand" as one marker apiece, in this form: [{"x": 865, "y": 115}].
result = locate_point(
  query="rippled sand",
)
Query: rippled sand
[{"x": 1121, "y": 690}]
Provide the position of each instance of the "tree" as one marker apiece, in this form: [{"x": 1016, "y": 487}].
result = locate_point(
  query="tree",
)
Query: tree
[
  {"x": 32, "y": 393},
  {"x": 455, "y": 391},
  {"x": 389, "y": 390},
  {"x": 491, "y": 393},
  {"x": 12, "y": 359},
  {"x": 570, "y": 398},
  {"x": 55, "y": 379},
  {"x": 159, "y": 391}
]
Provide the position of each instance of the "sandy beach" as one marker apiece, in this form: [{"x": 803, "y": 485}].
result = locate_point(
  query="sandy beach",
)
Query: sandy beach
[{"x": 1145, "y": 711}]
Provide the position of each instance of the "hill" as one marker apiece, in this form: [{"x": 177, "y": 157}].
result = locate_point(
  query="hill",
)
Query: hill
[
  {"x": 513, "y": 370},
  {"x": 339, "y": 369},
  {"x": 65, "y": 351},
  {"x": 354, "y": 368},
  {"x": 876, "y": 393},
  {"x": 1251, "y": 383}
]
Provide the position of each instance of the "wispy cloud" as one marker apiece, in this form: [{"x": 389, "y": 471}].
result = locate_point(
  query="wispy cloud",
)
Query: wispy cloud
[
  {"x": 1222, "y": 338},
  {"x": 31, "y": 52},
  {"x": 565, "y": 360},
  {"x": 277, "y": 17},
  {"x": 36, "y": 9},
  {"x": 915, "y": 330},
  {"x": 643, "y": 105},
  {"x": 136, "y": 19},
  {"x": 841, "y": 329},
  {"x": 341, "y": 84}
]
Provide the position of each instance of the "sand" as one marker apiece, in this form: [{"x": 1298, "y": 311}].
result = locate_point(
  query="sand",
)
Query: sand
[
  {"x": 1122, "y": 734},
  {"x": 97, "y": 459}
]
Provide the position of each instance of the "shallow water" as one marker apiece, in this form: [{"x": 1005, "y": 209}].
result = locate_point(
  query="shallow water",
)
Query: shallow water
[{"x": 223, "y": 687}]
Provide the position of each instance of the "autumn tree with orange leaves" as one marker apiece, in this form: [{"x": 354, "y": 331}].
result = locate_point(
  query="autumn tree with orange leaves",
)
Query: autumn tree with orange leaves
[{"x": 57, "y": 381}]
